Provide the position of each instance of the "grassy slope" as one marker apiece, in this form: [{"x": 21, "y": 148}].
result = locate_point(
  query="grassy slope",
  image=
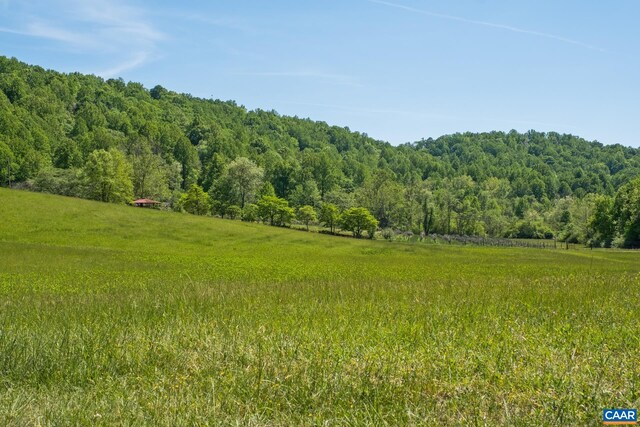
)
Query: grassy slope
[{"x": 120, "y": 315}]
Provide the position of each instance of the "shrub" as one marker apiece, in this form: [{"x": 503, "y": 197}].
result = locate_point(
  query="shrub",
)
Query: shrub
[{"x": 233, "y": 212}]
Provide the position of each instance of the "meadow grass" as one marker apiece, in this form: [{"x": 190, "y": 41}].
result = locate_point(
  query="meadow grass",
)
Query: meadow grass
[{"x": 119, "y": 315}]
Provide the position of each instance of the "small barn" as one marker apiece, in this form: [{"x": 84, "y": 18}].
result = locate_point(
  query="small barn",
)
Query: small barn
[{"x": 146, "y": 203}]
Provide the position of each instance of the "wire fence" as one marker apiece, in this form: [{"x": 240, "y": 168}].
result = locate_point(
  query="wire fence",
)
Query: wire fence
[{"x": 453, "y": 239}]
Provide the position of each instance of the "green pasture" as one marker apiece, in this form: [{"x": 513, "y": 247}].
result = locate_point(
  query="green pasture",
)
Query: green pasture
[{"x": 120, "y": 315}]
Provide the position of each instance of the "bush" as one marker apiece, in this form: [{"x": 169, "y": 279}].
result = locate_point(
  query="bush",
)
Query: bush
[
  {"x": 250, "y": 213},
  {"x": 65, "y": 182},
  {"x": 388, "y": 233},
  {"x": 233, "y": 212}
]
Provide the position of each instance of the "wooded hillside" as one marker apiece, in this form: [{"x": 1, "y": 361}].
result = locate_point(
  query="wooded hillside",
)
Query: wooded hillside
[{"x": 109, "y": 140}]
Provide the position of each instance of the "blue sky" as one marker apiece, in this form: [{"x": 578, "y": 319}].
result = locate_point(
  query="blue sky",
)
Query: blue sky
[{"x": 399, "y": 70}]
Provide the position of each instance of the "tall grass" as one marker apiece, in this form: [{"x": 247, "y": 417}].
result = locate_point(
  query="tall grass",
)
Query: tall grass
[{"x": 118, "y": 315}]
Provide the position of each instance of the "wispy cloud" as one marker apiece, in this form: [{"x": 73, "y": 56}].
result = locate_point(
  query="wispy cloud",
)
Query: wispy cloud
[
  {"x": 134, "y": 62},
  {"x": 219, "y": 22},
  {"x": 489, "y": 24},
  {"x": 117, "y": 20},
  {"x": 340, "y": 79},
  {"x": 95, "y": 27},
  {"x": 51, "y": 32},
  {"x": 13, "y": 31},
  {"x": 71, "y": 41},
  {"x": 224, "y": 47}
]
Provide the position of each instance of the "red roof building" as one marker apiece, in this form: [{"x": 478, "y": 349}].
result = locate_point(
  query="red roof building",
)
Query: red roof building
[{"x": 146, "y": 203}]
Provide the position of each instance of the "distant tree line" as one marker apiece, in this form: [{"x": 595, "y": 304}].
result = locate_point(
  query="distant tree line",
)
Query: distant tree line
[{"x": 80, "y": 135}]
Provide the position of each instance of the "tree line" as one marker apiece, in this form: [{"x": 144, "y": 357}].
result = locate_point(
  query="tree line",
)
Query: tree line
[
  {"x": 270, "y": 209},
  {"x": 113, "y": 141}
]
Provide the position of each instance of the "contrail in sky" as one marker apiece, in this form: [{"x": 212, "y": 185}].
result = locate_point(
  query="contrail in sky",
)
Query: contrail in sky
[{"x": 489, "y": 24}]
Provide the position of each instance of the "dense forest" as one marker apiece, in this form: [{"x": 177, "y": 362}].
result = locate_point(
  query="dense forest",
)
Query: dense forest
[{"x": 109, "y": 140}]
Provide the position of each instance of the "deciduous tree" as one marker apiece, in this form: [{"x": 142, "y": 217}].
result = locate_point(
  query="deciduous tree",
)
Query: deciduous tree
[
  {"x": 196, "y": 201},
  {"x": 329, "y": 215},
  {"x": 626, "y": 211},
  {"x": 245, "y": 177},
  {"x": 358, "y": 220},
  {"x": 307, "y": 214},
  {"x": 107, "y": 177},
  {"x": 275, "y": 210},
  {"x": 601, "y": 223}
]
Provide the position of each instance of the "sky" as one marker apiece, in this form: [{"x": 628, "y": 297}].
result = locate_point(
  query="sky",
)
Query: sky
[{"x": 397, "y": 70}]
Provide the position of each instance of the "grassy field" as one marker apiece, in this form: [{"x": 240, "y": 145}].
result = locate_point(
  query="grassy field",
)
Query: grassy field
[{"x": 118, "y": 315}]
